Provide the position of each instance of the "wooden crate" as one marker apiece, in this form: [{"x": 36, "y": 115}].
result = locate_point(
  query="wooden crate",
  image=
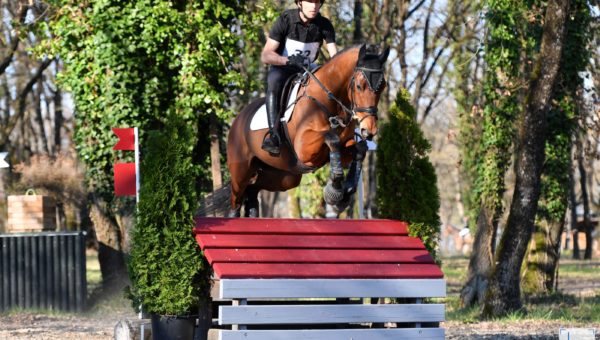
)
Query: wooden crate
[{"x": 28, "y": 213}]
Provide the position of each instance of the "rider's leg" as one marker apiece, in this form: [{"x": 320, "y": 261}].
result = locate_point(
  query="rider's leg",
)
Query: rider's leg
[
  {"x": 272, "y": 141},
  {"x": 275, "y": 81}
]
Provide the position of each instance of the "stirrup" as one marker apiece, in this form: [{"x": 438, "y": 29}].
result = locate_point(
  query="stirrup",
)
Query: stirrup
[{"x": 271, "y": 144}]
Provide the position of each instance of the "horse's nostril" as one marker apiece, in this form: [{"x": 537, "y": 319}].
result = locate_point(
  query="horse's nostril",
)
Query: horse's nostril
[{"x": 370, "y": 137}]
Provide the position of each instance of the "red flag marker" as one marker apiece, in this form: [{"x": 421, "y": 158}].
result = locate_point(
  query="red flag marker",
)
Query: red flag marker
[
  {"x": 125, "y": 179},
  {"x": 126, "y": 139}
]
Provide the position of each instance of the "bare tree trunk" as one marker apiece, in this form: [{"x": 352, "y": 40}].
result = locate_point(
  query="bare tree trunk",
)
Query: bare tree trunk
[
  {"x": 480, "y": 262},
  {"x": 58, "y": 121},
  {"x": 22, "y": 102},
  {"x": 424, "y": 61},
  {"x": 401, "y": 49},
  {"x": 357, "y": 36},
  {"x": 504, "y": 293},
  {"x": 14, "y": 39},
  {"x": 45, "y": 147},
  {"x": 556, "y": 229},
  {"x": 215, "y": 153},
  {"x": 110, "y": 251},
  {"x": 573, "y": 208},
  {"x": 543, "y": 257},
  {"x": 587, "y": 224}
]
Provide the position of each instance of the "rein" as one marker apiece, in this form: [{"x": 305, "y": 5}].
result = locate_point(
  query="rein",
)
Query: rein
[{"x": 334, "y": 120}]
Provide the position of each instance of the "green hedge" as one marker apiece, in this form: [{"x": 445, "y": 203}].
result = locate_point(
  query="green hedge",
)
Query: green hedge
[
  {"x": 406, "y": 180},
  {"x": 166, "y": 268}
]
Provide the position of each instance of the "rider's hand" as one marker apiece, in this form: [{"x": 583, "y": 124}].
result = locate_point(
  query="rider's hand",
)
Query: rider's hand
[{"x": 297, "y": 60}]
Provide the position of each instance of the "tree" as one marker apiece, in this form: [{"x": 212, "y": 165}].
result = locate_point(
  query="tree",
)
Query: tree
[
  {"x": 562, "y": 119},
  {"x": 136, "y": 64},
  {"x": 33, "y": 120},
  {"x": 504, "y": 290},
  {"x": 168, "y": 274},
  {"x": 491, "y": 157},
  {"x": 406, "y": 180}
]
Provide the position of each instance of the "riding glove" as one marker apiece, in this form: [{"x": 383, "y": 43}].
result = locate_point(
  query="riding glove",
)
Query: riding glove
[{"x": 297, "y": 60}]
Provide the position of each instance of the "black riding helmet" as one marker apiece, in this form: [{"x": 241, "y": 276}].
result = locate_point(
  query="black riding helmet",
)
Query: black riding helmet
[{"x": 322, "y": 2}]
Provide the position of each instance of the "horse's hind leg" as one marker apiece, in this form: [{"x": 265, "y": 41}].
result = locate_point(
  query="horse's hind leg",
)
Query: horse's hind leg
[
  {"x": 235, "y": 210},
  {"x": 240, "y": 178},
  {"x": 251, "y": 202},
  {"x": 238, "y": 188}
]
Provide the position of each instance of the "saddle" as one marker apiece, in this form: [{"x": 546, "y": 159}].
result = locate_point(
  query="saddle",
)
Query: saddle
[
  {"x": 284, "y": 100},
  {"x": 287, "y": 101}
]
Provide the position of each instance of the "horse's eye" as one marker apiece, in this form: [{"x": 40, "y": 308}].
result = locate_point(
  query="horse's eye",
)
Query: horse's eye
[{"x": 359, "y": 87}]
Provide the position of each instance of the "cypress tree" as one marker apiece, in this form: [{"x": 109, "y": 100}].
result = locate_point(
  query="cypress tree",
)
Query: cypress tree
[{"x": 406, "y": 179}]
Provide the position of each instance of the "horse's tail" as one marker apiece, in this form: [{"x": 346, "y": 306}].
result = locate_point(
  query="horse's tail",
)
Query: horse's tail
[{"x": 216, "y": 203}]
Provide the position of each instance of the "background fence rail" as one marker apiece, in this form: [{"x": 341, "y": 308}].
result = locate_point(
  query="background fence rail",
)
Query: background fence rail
[{"x": 45, "y": 270}]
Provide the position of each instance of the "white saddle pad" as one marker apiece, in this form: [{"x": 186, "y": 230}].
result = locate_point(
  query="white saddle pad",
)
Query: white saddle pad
[{"x": 259, "y": 121}]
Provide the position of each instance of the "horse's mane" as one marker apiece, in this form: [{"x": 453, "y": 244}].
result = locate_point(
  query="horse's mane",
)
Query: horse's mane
[{"x": 337, "y": 55}]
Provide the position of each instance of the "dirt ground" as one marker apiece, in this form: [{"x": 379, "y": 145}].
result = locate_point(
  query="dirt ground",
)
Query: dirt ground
[
  {"x": 96, "y": 327},
  {"x": 99, "y": 322}
]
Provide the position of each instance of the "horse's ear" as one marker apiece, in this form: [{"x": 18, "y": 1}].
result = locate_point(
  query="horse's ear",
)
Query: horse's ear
[
  {"x": 362, "y": 53},
  {"x": 383, "y": 57}
]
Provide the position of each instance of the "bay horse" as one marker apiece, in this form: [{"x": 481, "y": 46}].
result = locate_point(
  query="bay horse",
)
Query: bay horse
[{"x": 340, "y": 95}]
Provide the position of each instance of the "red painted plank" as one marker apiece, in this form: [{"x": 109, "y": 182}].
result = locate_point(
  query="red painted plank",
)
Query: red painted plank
[
  {"x": 326, "y": 271},
  {"x": 307, "y": 241},
  {"x": 317, "y": 256},
  {"x": 299, "y": 226}
]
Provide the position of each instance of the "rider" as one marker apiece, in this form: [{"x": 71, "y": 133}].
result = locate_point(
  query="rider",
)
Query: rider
[{"x": 293, "y": 42}]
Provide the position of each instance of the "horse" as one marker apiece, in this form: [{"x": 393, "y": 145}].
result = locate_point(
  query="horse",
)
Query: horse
[{"x": 335, "y": 99}]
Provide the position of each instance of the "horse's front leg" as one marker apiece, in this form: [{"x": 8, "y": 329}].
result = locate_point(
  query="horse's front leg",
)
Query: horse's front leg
[
  {"x": 359, "y": 151},
  {"x": 333, "y": 192}
]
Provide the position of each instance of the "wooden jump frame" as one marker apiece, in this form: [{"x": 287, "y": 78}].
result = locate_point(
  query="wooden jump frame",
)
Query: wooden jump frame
[{"x": 283, "y": 278}]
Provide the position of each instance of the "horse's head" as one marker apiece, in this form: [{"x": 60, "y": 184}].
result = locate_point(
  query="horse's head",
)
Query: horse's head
[{"x": 366, "y": 85}]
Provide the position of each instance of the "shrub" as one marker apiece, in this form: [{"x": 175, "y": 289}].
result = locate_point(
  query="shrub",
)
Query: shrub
[
  {"x": 406, "y": 180},
  {"x": 167, "y": 273},
  {"x": 60, "y": 177}
]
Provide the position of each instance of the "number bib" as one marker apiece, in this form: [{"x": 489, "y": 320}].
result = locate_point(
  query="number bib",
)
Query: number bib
[{"x": 308, "y": 50}]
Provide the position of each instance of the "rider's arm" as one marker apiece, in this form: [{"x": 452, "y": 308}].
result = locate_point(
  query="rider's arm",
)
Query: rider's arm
[
  {"x": 332, "y": 49},
  {"x": 269, "y": 54}
]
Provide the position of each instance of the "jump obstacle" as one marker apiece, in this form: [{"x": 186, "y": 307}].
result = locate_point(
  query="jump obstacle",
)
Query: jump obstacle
[{"x": 313, "y": 279}]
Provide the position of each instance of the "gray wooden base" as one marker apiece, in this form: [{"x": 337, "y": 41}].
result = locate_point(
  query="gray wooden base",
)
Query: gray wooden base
[{"x": 330, "y": 334}]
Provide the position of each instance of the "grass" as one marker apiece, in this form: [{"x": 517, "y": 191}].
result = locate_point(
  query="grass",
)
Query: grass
[
  {"x": 557, "y": 306},
  {"x": 102, "y": 303},
  {"x": 99, "y": 303},
  {"x": 93, "y": 273}
]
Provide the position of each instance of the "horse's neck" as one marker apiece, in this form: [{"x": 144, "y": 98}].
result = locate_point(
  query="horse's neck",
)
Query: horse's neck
[{"x": 335, "y": 75}]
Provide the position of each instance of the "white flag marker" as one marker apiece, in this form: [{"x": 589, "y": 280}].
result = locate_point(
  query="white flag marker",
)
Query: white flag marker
[{"x": 3, "y": 163}]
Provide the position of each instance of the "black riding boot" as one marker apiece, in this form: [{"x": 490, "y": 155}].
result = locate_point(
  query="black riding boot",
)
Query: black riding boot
[{"x": 272, "y": 141}]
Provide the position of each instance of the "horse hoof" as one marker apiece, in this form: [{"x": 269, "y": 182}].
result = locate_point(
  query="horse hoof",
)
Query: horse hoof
[
  {"x": 252, "y": 212},
  {"x": 331, "y": 195},
  {"x": 341, "y": 206},
  {"x": 233, "y": 213}
]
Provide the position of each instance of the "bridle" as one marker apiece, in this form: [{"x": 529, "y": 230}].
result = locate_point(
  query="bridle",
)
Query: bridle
[
  {"x": 352, "y": 111},
  {"x": 370, "y": 110}
]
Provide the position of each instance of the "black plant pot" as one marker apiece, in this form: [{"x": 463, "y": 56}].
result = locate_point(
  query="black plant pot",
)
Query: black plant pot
[{"x": 173, "y": 327}]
